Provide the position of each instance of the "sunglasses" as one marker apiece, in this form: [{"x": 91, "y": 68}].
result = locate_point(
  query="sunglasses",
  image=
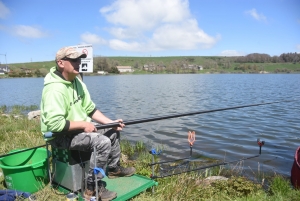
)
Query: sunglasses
[{"x": 72, "y": 60}]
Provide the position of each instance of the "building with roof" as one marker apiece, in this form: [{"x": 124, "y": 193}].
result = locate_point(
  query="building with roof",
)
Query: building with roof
[
  {"x": 125, "y": 69},
  {"x": 4, "y": 69}
]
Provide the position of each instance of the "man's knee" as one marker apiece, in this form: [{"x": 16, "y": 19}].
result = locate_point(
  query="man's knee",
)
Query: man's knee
[{"x": 104, "y": 143}]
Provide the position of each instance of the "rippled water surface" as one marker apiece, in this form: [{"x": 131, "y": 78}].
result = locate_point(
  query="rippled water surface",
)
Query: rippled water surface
[{"x": 230, "y": 134}]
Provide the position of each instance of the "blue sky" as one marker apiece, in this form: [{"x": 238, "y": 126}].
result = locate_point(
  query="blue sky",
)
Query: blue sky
[{"x": 33, "y": 30}]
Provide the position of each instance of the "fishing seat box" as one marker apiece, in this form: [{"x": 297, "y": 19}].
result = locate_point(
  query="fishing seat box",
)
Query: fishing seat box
[{"x": 68, "y": 167}]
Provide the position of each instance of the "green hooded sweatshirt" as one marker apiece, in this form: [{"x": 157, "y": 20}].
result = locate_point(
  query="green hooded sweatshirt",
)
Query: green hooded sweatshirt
[{"x": 64, "y": 101}]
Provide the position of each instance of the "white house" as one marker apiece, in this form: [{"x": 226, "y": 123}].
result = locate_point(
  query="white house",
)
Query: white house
[
  {"x": 124, "y": 69},
  {"x": 4, "y": 68}
]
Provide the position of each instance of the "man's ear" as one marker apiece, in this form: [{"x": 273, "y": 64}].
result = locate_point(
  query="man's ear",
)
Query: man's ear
[{"x": 60, "y": 64}]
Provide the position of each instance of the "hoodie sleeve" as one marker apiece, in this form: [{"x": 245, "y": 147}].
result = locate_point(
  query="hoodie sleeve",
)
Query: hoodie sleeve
[{"x": 54, "y": 106}]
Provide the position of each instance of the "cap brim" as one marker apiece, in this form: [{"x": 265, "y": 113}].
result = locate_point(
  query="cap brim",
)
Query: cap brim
[
  {"x": 82, "y": 56},
  {"x": 77, "y": 55}
]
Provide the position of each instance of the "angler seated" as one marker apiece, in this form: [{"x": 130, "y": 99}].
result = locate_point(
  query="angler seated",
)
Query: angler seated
[{"x": 66, "y": 108}]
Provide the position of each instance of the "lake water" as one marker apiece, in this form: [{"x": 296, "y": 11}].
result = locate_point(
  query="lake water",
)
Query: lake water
[{"x": 228, "y": 135}]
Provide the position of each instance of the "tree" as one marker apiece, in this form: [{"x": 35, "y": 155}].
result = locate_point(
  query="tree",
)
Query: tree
[
  {"x": 136, "y": 65},
  {"x": 101, "y": 63},
  {"x": 114, "y": 70},
  {"x": 114, "y": 63},
  {"x": 38, "y": 73},
  {"x": 43, "y": 71}
]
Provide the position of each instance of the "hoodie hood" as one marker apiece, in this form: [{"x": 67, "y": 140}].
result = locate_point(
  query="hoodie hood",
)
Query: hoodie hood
[{"x": 54, "y": 76}]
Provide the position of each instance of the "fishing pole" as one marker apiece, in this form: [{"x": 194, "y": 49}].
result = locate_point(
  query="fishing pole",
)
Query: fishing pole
[{"x": 111, "y": 125}]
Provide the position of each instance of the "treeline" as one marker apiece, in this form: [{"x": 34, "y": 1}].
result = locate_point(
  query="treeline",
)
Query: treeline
[
  {"x": 105, "y": 64},
  {"x": 265, "y": 58},
  {"x": 252, "y": 63},
  {"x": 27, "y": 73}
]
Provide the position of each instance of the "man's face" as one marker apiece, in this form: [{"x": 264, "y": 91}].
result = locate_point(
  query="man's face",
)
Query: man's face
[{"x": 70, "y": 67}]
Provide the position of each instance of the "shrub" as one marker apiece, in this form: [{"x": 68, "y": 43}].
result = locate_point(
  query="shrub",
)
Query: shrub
[
  {"x": 236, "y": 186},
  {"x": 279, "y": 186}
]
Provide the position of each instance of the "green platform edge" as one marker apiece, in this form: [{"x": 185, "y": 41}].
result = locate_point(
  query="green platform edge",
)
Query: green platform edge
[
  {"x": 125, "y": 187},
  {"x": 128, "y": 187}
]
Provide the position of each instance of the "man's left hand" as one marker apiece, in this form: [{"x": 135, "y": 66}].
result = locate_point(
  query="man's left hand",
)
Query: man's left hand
[{"x": 121, "y": 125}]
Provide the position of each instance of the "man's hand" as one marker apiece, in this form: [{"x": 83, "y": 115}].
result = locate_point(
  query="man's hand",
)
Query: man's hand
[
  {"x": 89, "y": 127},
  {"x": 102, "y": 119},
  {"x": 121, "y": 125}
]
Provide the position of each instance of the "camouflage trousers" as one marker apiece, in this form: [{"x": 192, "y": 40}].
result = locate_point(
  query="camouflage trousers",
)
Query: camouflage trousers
[{"x": 107, "y": 143}]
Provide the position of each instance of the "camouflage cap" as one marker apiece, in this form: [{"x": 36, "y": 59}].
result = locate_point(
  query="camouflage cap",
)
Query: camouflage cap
[{"x": 69, "y": 52}]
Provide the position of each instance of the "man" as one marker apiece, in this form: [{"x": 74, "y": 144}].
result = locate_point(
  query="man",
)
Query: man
[{"x": 66, "y": 106}]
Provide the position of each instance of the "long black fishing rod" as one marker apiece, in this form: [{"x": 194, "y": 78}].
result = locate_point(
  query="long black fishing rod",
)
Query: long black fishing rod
[
  {"x": 111, "y": 125},
  {"x": 181, "y": 115}
]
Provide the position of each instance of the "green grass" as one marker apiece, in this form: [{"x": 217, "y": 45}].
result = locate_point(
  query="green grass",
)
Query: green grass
[
  {"x": 211, "y": 65},
  {"x": 17, "y": 109},
  {"x": 19, "y": 132},
  {"x": 33, "y": 65}
]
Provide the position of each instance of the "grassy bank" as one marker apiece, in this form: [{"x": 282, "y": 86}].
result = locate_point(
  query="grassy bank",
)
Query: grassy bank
[
  {"x": 170, "y": 64},
  {"x": 16, "y": 131}
]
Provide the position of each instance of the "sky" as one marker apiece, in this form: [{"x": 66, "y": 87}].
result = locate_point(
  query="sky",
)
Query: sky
[{"x": 34, "y": 30}]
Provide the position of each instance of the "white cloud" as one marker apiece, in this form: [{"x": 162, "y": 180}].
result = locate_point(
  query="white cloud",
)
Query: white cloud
[
  {"x": 28, "y": 31},
  {"x": 255, "y": 15},
  {"x": 183, "y": 36},
  {"x": 127, "y": 46},
  {"x": 145, "y": 14},
  {"x": 154, "y": 25},
  {"x": 122, "y": 33},
  {"x": 4, "y": 11},
  {"x": 230, "y": 53},
  {"x": 90, "y": 38}
]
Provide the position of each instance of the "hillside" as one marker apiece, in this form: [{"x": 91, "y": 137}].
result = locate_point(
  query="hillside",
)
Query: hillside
[{"x": 180, "y": 64}]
